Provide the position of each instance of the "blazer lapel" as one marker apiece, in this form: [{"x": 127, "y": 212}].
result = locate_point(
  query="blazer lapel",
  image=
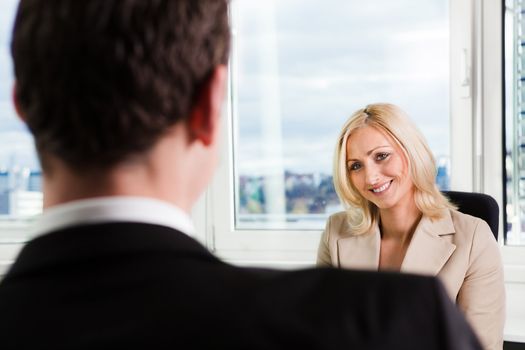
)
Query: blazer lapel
[
  {"x": 428, "y": 251},
  {"x": 359, "y": 252}
]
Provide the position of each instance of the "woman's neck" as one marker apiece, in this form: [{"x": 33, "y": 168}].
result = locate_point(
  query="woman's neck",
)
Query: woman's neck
[{"x": 399, "y": 222}]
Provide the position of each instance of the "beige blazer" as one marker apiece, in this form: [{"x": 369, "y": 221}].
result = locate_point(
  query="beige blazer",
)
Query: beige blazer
[{"x": 460, "y": 249}]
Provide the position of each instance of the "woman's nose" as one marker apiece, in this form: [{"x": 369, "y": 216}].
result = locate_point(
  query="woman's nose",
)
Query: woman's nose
[{"x": 372, "y": 176}]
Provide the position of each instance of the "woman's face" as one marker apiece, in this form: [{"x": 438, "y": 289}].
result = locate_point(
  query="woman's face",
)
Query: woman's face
[{"x": 378, "y": 168}]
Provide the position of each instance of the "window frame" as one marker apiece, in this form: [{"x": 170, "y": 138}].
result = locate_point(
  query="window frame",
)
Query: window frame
[{"x": 299, "y": 247}]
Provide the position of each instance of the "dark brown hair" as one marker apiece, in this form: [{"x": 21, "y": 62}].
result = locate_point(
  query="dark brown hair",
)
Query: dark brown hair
[{"x": 100, "y": 80}]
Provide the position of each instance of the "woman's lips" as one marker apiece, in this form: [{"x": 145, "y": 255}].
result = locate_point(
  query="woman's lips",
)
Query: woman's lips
[{"x": 382, "y": 188}]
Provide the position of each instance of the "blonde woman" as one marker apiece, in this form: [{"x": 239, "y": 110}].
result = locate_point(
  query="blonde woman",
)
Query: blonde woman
[{"x": 397, "y": 219}]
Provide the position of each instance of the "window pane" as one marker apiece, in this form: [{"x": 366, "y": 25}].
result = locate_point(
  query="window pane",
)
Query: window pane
[
  {"x": 300, "y": 68},
  {"x": 514, "y": 123},
  {"x": 20, "y": 175}
]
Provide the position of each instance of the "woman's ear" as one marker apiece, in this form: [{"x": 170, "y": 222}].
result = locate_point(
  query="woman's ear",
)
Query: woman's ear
[
  {"x": 205, "y": 113},
  {"x": 16, "y": 103}
]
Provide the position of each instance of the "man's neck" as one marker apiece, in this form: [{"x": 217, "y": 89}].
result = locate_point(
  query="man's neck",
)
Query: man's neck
[
  {"x": 166, "y": 172},
  {"x": 66, "y": 186}
]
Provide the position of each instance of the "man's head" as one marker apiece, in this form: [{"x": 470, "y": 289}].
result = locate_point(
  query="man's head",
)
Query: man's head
[{"x": 100, "y": 81}]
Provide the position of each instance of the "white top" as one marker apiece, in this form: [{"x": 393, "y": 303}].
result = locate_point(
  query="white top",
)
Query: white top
[{"x": 113, "y": 209}]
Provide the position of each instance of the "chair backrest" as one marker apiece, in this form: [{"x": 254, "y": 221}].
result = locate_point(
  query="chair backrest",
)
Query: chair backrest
[{"x": 479, "y": 205}]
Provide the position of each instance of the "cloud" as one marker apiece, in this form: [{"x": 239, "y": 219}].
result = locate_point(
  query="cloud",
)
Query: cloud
[{"x": 308, "y": 67}]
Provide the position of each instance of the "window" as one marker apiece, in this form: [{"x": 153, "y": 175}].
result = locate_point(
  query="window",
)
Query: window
[
  {"x": 20, "y": 175},
  {"x": 300, "y": 69},
  {"x": 514, "y": 123}
]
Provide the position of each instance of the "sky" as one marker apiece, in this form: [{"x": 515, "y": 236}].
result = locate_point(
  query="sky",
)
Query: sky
[
  {"x": 300, "y": 68},
  {"x": 16, "y": 145}
]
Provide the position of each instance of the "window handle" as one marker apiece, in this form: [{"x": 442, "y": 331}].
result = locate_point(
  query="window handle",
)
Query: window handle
[{"x": 464, "y": 74}]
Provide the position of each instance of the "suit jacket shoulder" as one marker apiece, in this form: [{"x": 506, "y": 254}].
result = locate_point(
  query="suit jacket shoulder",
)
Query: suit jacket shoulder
[{"x": 142, "y": 286}]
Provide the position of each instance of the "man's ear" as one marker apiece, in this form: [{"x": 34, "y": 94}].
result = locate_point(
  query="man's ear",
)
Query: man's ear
[
  {"x": 205, "y": 113},
  {"x": 16, "y": 103}
]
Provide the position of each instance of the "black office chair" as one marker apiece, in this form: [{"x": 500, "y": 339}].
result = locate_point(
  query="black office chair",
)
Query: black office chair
[{"x": 479, "y": 205}]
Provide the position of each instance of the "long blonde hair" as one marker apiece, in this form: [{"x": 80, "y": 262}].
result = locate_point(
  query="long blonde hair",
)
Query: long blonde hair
[{"x": 394, "y": 122}]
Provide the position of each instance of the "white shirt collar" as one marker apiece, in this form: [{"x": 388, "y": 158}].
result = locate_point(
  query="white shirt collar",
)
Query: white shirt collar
[{"x": 113, "y": 209}]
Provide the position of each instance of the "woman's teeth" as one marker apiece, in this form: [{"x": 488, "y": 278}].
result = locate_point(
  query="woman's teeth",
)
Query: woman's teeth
[{"x": 382, "y": 188}]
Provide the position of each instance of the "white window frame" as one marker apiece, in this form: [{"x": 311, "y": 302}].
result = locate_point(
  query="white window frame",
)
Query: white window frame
[
  {"x": 490, "y": 150},
  {"x": 297, "y": 248},
  {"x": 490, "y": 142}
]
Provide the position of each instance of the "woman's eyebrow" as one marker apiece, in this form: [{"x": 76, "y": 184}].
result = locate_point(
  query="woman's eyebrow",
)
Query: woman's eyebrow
[
  {"x": 369, "y": 152},
  {"x": 375, "y": 148}
]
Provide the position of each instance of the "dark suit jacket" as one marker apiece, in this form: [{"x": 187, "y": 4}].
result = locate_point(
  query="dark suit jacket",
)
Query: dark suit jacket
[{"x": 129, "y": 285}]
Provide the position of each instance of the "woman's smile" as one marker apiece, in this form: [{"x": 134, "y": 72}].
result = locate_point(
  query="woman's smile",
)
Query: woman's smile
[{"x": 381, "y": 189}]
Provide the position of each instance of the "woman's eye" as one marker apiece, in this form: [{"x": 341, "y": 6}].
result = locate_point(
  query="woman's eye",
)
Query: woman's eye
[
  {"x": 355, "y": 166},
  {"x": 382, "y": 156}
]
